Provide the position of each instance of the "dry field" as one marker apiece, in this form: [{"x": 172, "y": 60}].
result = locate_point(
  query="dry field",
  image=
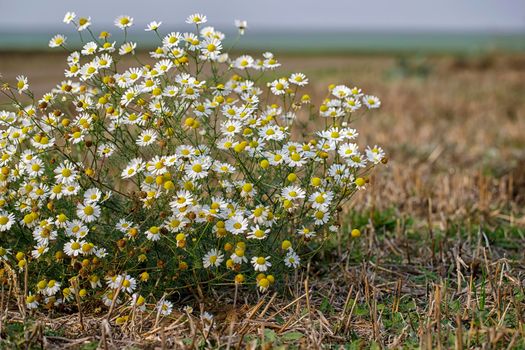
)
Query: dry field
[{"x": 440, "y": 263}]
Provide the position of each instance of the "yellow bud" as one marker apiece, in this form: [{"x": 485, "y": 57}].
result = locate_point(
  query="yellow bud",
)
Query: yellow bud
[
  {"x": 239, "y": 278},
  {"x": 291, "y": 177},
  {"x": 264, "y": 163},
  {"x": 355, "y": 233},
  {"x": 189, "y": 122},
  {"x": 144, "y": 276}
]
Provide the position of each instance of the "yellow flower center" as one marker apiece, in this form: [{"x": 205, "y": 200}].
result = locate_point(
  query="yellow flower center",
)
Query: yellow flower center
[{"x": 88, "y": 210}]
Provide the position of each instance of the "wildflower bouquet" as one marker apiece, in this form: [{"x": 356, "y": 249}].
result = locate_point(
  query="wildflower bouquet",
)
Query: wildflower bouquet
[{"x": 127, "y": 183}]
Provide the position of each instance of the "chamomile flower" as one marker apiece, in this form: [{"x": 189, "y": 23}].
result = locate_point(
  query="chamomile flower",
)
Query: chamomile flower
[
  {"x": 347, "y": 150},
  {"x": 196, "y": 18},
  {"x": 292, "y": 259},
  {"x": 243, "y": 62},
  {"x": 123, "y": 22},
  {"x": 341, "y": 91},
  {"x": 83, "y": 23},
  {"x": 298, "y": 79},
  {"x": 371, "y": 101},
  {"x": 57, "y": 40},
  {"x": 153, "y": 26},
  {"x": 65, "y": 173},
  {"x": 92, "y": 195},
  {"x": 128, "y": 283},
  {"x": 261, "y": 263},
  {"x": 165, "y": 308},
  {"x": 182, "y": 199},
  {"x": 153, "y": 233},
  {"x": 52, "y": 288},
  {"x": 69, "y": 17},
  {"x": 31, "y": 301},
  {"x": 73, "y": 248},
  {"x": 89, "y": 48},
  {"x": 77, "y": 229},
  {"x": 198, "y": 168},
  {"x": 213, "y": 258},
  {"x": 241, "y": 25},
  {"x": 127, "y": 48},
  {"x": 21, "y": 83},
  {"x": 375, "y": 154},
  {"x": 279, "y": 86},
  {"x": 39, "y": 250},
  {"x": 6, "y": 220},
  {"x": 356, "y": 161},
  {"x": 321, "y": 199},
  {"x": 237, "y": 224},
  {"x": 293, "y": 193},
  {"x": 146, "y": 138},
  {"x": 258, "y": 233},
  {"x": 88, "y": 212}
]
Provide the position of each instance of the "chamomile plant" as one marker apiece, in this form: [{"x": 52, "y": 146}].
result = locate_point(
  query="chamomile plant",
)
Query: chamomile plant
[{"x": 184, "y": 168}]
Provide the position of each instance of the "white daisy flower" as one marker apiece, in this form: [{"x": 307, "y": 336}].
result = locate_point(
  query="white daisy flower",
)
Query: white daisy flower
[
  {"x": 88, "y": 212},
  {"x": 321, "y": 199},
  {"x": 123, "y": 22},
  {"x": 57, "y": 40},
  {"x": 134, "y": 167},
  {"x": 347, "y": 150},
  {"x": 241, "y": 25},
  {"x": 212, "y": 259},
  {"x": 152, "y": 26},
  {"x": 165, "y": 307},
  {"x": 298, "y": 79},
  {"x": 52, "y": 288},
  {"x": 196, "y": 18},
  {"x": 261, "y": 263},
  {"x": 341, "y": 91},
  {"x": 73, "y": 247},
  {"x": 375, "y": 154},
  {"x": 293, "y": 193},
  {"x": 237, "y": 224},
  {"x": 6, "y": 220},
  {"x": 65, "y": 173},
  {"x": 371, "y": 101},
  {"x": 89, "y": 48},
  {"x": 31, "y": 302},
  {"x": 69, "y": 17},
  {"x": 153, "y": 233},
  {"x": 292, "y": 259},
  {"x": 279, "y": 86},
  {"x": 21, "y": 83},
  {"x": 243, "y": 62},
  {"x": 147, "y": 137},
  {"x": 83, "y": 23},
  {"x": 127, "y": 48},
  {"x": 257, "y": 233},
  {"x": 92, "y": 195}
]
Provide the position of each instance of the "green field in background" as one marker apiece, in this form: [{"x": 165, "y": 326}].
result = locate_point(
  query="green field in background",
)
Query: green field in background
[{"x": 304, "y": 41}]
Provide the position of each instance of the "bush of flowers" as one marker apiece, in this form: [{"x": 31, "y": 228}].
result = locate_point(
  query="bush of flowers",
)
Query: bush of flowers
[{"x": 124, "y": 185}]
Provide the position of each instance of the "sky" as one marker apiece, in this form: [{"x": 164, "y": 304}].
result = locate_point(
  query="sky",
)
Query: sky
[{"x": 380, "y": 15}]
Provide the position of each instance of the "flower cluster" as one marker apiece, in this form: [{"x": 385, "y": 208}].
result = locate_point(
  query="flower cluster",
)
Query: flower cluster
[{"x": 127, "y": 182}]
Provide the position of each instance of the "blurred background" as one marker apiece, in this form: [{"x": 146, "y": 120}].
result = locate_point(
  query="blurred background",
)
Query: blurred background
[{"x": 451, "y": 76}]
